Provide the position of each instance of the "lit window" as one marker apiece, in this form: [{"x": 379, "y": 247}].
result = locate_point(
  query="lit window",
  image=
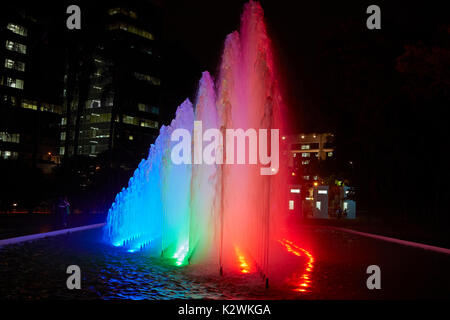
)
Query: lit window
[
  {"x": 291, "y": 204},
  {"x": 304, "y": 162},
  {"x": 305, "y": 147},
  {"x": 149, "y": 124},
  {"x": 130, "y": 138},
  {"x": 322, "y": 191},
  {"x": 131, "y": 29},
  {"x": 14, "y": 46},
  {"x": 146, "y": 108},
  {"x": 94, "y": 104},
  {"x": 153, "y": 80},
  {"x": 16, "y": 65},
  {"x": 51, "y": 108},
  {"x": 26, "y": 104},
  {"x": 306, "y": 154},
  {"x": 99, "y": 118},
  {"x": 63, "y": 121},
  {"x": 17, "y": 29},
  {"x": 62, "y": 150},
  {"x": 9, "y": 137},
  {"x": 8, "y": 155},
  {"x": 295, "y": 190},
  {"x": 130, "y": 120},
  {"x": 318, "y": 203},
  {"x": 125, "y": 12},
  {"x": 330, "y": 154},
  {"x": 63, "y": 136},
  {"x": 14, "y": 83},
  {"x": 306, "y": 177},
  {"x": 345, "y": 205}
]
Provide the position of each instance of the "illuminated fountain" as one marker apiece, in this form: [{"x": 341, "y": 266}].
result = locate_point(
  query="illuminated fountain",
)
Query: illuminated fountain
[{"x": 212, "y": 211}]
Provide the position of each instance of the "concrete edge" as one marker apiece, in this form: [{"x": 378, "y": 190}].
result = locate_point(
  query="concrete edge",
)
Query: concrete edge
[
  {"x": 37, "y": 236},
  {"x": 394, "y": 240}
]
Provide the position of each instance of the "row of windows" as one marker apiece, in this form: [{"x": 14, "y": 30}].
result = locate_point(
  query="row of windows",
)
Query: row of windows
[
  {"x": 99, "y": 118},
  {"x": 33, "y": 105},
  {"x": 144, "y": 77},
  {"x": 123, "y": 11},
  {"x": 51, "y": 108},
  {"x": 302, "y": 146},
  {"x": 16, "y": 65},
  {"x": 147, "y": 108},
  {"x": 9, "y": 137},
  {"x": 308, "y": 154},
  {"x": 12, "y": 82},
  {"x": 308, "y": 177},
  {"x": 29, "y": 105},
  {"x": 96, "y": 103},
  {"x": 17, "y": 29},
  {"x": 8, "y": 155},
  {"x": 97, "y": 133},
  {"x": 140, "y": 122},
  {"x": 106, "y": 117},
  {"x": 149, "y": 124},
  {"x": 15, "y": 46},
  {"x": 131, "y": 29}
]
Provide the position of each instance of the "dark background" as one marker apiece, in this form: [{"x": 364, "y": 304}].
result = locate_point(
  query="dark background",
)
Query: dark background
[{"x": 384, "y": 93}]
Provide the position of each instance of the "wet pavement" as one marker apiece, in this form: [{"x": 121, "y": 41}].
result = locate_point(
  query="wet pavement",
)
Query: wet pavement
[{"x": 322, "y": 264}]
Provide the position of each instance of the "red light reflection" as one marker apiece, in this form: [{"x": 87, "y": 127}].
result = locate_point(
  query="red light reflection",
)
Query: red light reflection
[{"x": 305, "y": 278}]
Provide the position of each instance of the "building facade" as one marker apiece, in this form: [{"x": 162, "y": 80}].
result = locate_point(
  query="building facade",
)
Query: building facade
[
  {"x": 311, "y": 191},
  {"x": 306, "y": 152},
  {"x": 30, "y": 89},
  {"x": 113, "y": 96}
]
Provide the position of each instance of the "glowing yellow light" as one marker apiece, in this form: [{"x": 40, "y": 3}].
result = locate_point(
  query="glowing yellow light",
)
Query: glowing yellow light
[{"x": 244, "y": 267}]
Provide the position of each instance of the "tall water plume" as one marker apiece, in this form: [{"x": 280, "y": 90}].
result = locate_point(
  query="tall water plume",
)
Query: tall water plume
[{"x": 214, "y": 210}]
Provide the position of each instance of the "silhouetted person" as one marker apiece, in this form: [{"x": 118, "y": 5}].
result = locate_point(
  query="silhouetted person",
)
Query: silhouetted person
[
  {"x": 339, "y": 213},
  {"x": 63, "y": 210}
]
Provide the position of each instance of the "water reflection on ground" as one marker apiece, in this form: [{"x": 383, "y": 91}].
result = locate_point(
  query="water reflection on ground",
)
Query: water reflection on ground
[{"x": 333, "y": 267}]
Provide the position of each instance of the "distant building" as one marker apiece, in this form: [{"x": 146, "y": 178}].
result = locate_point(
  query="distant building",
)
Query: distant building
[
  {"x": 30, "y": 94},
  {"x": 113, "y": 84},
  {"x": 306, "y": 151},
  {"x": 309, "y": 192}
]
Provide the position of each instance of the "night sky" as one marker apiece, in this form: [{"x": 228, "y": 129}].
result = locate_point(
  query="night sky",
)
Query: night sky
[
  {"x": 305, "y": 35},
  {"x": 320, "y": 48}
]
